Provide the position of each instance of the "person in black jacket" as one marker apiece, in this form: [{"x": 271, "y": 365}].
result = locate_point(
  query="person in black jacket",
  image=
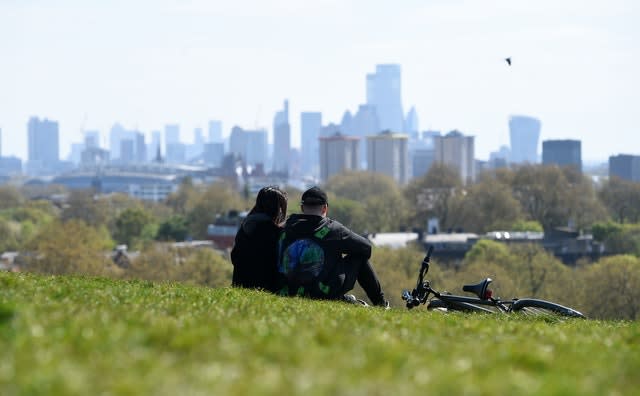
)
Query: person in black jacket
[
  {"x": 255, "y": 252},
  {"x": 321, "y": 258}
]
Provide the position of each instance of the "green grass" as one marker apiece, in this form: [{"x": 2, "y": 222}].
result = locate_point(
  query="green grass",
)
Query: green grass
[{"x": 77, "y": 335}]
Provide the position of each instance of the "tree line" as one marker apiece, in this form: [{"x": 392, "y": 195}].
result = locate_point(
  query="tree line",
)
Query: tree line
[{"x": 78, "y": 234}]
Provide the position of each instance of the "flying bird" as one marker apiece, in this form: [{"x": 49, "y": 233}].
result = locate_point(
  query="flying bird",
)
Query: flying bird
[{"x": 508, "y": 61}]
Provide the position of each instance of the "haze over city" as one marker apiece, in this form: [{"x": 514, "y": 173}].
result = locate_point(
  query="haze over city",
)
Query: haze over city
[{"x": 90, "y": 64}]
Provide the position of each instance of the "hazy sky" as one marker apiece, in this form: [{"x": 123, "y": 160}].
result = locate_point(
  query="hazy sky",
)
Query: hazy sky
[{"x": 145, "y": 63}]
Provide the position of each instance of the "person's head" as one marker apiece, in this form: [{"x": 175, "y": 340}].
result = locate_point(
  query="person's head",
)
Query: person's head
[
  {"x": 273, "y": 202},
  {"x": 314, "y": 201}
]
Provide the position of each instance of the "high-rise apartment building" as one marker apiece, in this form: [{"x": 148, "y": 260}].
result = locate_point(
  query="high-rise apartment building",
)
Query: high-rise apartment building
[
  {"x": 310, "y": 126},
  {"x": 421, "y": 160},
  {"x": 388, "y": 153},
  {"x": 250, "y": 145},
  {"x": 625, "y": 166},
  {"x": 43, "y": 144},
  {"x": 562, "y": 152},
  {"x": 456, "y": 151},
  {"x": 524, "y": 133},
  {"x": 281, "y": 140},
  {"x": 338, "y": 153},
  {"x": 384, "y": 93}
]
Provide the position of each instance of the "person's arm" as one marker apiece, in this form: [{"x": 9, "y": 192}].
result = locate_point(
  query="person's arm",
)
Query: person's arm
[{"x": 354, "y": 244}]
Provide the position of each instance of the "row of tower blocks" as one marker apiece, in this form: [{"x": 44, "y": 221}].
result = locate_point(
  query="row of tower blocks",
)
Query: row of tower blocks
[{"x": 378, "y": 137}]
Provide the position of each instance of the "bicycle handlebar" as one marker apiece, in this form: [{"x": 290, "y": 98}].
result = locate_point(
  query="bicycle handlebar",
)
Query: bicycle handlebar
[{"x": 420, "y": 293}]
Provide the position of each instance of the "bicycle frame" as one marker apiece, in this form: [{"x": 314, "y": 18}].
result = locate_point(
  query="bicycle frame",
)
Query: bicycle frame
[{"x": 423, "y": 291}]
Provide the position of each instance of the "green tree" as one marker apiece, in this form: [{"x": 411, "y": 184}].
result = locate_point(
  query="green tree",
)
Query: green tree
[
  {"x": 156, "y": 262},
  {"x": 348, "y": 212},
  {"x": 86, "y": 206},
  {"x": 621, "y": 199},
  {"x": 9, "y": 235},
  {"x": 618, "y": 238},
  {"x": 526, "y": 225},
  {"x": 10, "y": 197},
  {"x": 217, "y": 199},
  {"x": 585, "y": 208},
  {"x": 543, "y": 194},
  {"x": 204, "y": 266},
  {"x": 174, "y": 228},
  {"x": 184, "y": 199},
  {"x": 488, "y": 205},
  {"x": 384, "y": 206},
  {"x": 130, "y": 224},
  {"x": 614, "y": 288},
  {"x": 435, "y": 195},
  {"x": 556, "y": 196},
  {"x": 19, "y": 224},
  {"x": 72, "y": 247}
]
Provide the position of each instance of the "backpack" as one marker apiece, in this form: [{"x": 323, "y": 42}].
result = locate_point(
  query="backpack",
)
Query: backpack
[{"x": 301, "y": 265}]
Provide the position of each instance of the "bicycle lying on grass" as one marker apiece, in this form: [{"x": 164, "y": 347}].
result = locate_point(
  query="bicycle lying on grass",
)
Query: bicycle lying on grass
[{"x": 484, "y": 302}]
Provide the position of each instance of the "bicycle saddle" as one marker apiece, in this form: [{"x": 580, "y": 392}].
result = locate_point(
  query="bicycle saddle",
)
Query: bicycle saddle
[{"x": 479, "y": 289}]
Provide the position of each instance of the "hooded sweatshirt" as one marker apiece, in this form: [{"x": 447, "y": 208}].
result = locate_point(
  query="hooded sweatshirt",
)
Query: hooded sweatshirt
[
  {"x": 336, "y": 241},
  {"x": 255, "y": 253}
]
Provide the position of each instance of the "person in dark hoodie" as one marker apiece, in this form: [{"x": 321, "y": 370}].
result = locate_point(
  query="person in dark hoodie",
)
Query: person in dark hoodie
[
  {"x": 255, "y": 252},
  {"x": 321, "y": 258}
]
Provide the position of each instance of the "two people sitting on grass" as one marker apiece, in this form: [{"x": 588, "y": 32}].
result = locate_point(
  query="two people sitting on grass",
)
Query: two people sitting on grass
[{"x": 312, "y": 255}]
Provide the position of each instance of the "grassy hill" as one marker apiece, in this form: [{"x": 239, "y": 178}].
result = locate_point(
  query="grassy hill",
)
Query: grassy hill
[{"x": 77, "y": 335}]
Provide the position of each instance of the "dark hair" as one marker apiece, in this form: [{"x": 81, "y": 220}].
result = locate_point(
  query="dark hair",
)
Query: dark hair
[{"x": 273, "y": 202}]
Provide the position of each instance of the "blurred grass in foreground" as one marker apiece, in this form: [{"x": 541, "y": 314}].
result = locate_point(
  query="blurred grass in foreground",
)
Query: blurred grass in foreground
[{"x": 78, "y": 335}]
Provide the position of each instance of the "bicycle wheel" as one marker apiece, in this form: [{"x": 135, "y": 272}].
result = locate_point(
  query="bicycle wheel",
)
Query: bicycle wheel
[
  {"x": 456, "y": 306},
  {"x": 541, "y": 308}
]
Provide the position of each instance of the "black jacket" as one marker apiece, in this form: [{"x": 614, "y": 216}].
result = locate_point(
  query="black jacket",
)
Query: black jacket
[
  {"x": 255, "y": 253},
  {"x": 337, "y": 242}
]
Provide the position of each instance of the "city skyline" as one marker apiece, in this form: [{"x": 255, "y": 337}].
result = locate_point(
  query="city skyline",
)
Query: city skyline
[{"x": 89, "y": 65}]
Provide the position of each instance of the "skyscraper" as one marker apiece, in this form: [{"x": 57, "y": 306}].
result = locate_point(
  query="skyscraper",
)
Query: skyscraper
[
  {"x": 171, "y": 134},
  {"x": 387, "y": 153},
  {"x": 411, "y": 124},
  {"x": 524, "y": 132},
  {"x": 155, "y": 146},
  {"x": 117, "y": 134},
  {"x": 625, "y": 166},
  {"x": 140, "y": 147},
  {"x": 175, "y": 151},
  {"x": 562, "y": 152},
  {"x": 281, "y": 140},
  {"x": 338, "y": 153},
  {"x": 43, "y": 144},
  {"x": 215, "y": 131},
  {"x": 384, "y": 93},
  {"x": 457, "y": 151},
  {"x": 91, "y": 139},
  {"x": 310, "y": 126}
]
